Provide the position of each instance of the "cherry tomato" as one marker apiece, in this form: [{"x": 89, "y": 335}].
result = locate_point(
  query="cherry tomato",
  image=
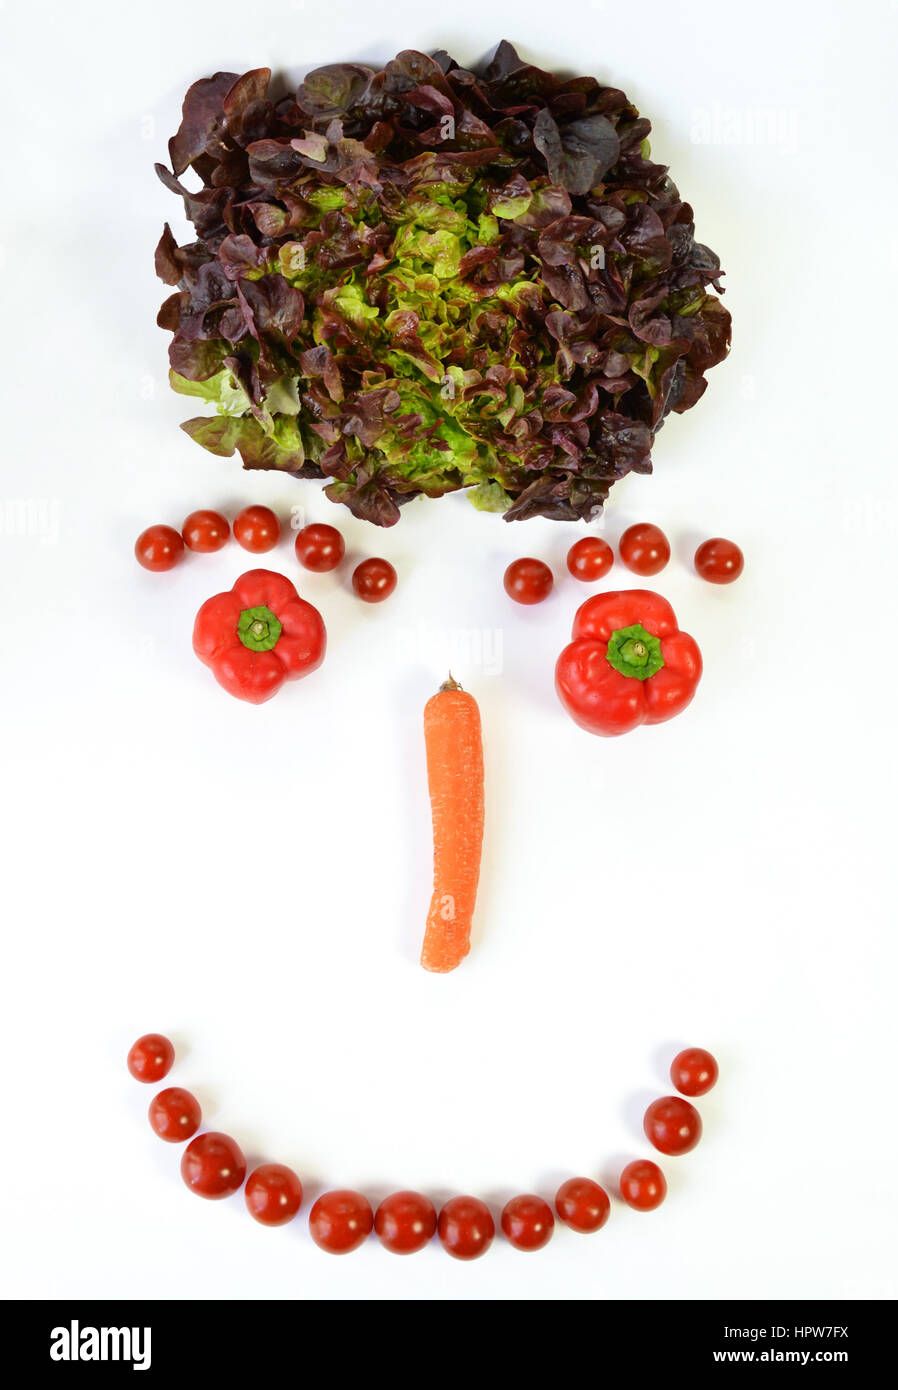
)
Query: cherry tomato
[
  {"x": 205, "y": 532},
  {"x": 273, "y": 1194},
  {"x": 175, "y": 1114},
  {"x": 212, "y": 1165},
  {"x": 582, "y": 1205},
  {"x": 151, "y": 1057},
  {"x": 466, "y": 1228},
  {"x": 527, "y": 1222},
  {"x": 319, "y": 547},
  {"x": 158, "y": 548},
  {"x": 693, "y": 1071},
  {"x": 643, "y": 1185},
  {"x": 644, "y": 549},
  {"x": 340, "y": 1221},
  {"x": 528, "y": 581},
  {"x": 590, "y": 558},
  {"x": 374, "y": 580},
  {"x": 719, "y": 561},
  {"x": 672, "y": 1125},
  {"x": 405, "y": 1222},
  {"x": 257, "y": 529}
]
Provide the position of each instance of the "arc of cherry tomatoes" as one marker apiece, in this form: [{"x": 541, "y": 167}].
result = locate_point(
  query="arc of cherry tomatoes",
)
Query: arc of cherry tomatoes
[
  {"x": 644, "y": 549},
  {"x": 318, "y": 547},
  {"x": 213, "y": 1166}
]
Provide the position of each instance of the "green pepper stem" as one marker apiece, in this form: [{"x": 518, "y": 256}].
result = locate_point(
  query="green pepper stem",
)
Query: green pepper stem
[
  {"x": 634, "y": 652},
  {"x": 258, "y": 628}
]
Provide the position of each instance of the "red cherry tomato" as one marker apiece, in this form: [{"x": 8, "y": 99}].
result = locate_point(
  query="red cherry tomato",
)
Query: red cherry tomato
[
  {"x": 212, "y": 1165},
  {"x": 644, "y": 549},
  {"x": 672, "y": 1125},
  {"x": 273, "y": 1194},
  {"x": 528, "y": 581},
  {"x": 158, "y": 548},
  {"x": 319, "y": 547},
  {"x": 257, "y": 529},
  {"x": 590, "y": 558},
  {"x": 643, "y": 1185},
  {"x": 719, "y": 561},
  {"x": 151, "y": 1057},
  {"x": 175, "y": 1114},
  {"x": 466, "y": 1228},
  {"x": 374, "y": 580},
  {"x": 340, "y": 1221},
  {"x": 527, "y": 1222},
  {"x": 693, "y": 1071},
  {"x": 582, "y": 1205},
  {"x": 205, "y": 532},
  {"x": 405, "y": 1222}
]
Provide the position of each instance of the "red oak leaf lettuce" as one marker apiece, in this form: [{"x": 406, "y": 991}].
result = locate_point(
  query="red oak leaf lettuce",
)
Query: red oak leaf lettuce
[{"x": 425, "y": 278}]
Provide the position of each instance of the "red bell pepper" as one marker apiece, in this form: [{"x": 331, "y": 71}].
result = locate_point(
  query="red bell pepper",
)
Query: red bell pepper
[
  {"x": 628, "y": 663},
  {"x": 259, "y": 635}
]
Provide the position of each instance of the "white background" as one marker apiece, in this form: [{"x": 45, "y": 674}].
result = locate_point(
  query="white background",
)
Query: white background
[{"x": 254, "y": 881}]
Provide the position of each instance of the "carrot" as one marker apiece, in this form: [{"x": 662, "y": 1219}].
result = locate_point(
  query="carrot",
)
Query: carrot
[{"x": 455, "y": 778}]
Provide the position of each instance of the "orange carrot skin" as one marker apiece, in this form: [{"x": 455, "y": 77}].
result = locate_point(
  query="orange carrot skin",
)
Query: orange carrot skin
[{"x": 455, "y": 777}]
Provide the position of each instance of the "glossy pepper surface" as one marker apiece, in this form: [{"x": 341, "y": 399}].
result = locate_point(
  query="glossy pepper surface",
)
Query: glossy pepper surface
[
  {"x": 628, "y": 663},
  {"x": 259, "y": 635}
]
